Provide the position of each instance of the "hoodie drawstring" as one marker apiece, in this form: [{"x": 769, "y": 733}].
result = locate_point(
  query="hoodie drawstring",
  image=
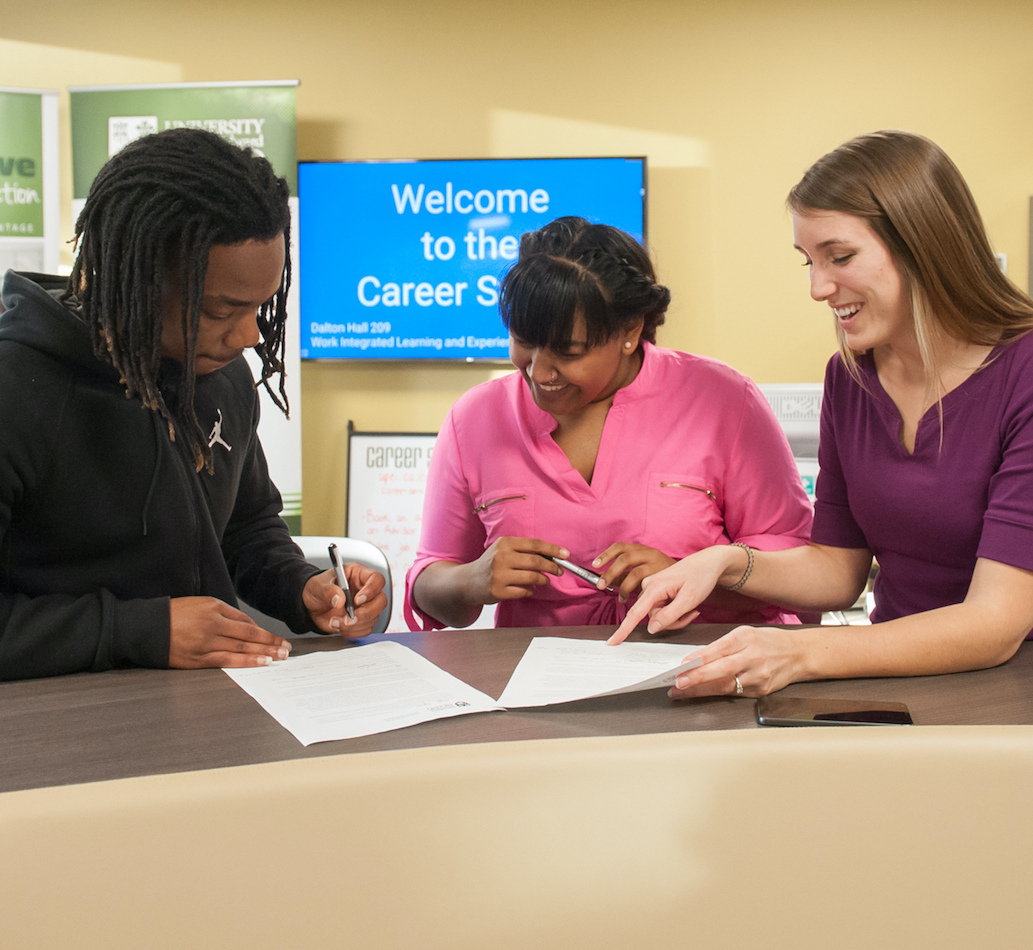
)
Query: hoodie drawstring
[{"x": 158, "y": 423}]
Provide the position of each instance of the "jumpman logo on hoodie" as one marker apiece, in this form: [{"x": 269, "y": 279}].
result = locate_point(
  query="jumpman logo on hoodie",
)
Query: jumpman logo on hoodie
[{"x": 216, "y": 434}]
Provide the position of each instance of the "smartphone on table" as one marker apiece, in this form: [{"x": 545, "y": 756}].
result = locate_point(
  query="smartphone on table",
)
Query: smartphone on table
[{"x": 792, "y": 711}]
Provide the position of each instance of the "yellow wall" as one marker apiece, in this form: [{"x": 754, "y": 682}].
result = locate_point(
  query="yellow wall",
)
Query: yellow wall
[
  {"x": 730, "y": 100},
  {"x": 35, "y": 66}
]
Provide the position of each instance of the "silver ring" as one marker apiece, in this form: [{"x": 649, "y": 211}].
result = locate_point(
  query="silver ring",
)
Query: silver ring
[{"x": 738, "y": 687}]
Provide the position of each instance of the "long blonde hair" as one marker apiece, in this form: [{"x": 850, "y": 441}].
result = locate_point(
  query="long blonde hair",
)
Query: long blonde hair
[{"x": 915, "y": 199}]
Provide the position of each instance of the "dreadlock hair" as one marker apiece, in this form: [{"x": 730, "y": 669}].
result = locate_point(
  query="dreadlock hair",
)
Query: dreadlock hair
[
  {"x": 572, "y": 268},
  {"x": 153, "y": 212}
]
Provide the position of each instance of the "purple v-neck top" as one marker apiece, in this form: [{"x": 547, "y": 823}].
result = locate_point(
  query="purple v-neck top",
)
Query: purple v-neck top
[{"x": 929, "y": 515}]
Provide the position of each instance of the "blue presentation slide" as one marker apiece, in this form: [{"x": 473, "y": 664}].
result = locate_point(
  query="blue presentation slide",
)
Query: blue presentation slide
[{"x": 402, "y": 260}]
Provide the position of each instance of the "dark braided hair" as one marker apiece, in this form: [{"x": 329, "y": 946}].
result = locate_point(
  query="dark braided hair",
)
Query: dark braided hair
[
  {"x": 152, "y": 215},
  {"x": 571, "y": 267}
]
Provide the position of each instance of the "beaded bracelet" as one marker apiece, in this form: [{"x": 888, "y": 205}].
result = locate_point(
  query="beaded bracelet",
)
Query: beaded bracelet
[{"x": 749, "y": 565}]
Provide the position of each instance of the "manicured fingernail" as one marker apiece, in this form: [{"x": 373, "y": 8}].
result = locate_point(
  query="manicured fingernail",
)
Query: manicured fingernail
[
  {"x": 564, "y": 553},
  {"x": 335, "y": 600},
  {"x": 348, "y": 621},
  {"x": 335, "y": 623},
  {"x": 597, "y": 562},
  {"x": 283, "y": 652},
  {"x": 360, "y": 599},
  {"x": 263, "y": 660}
]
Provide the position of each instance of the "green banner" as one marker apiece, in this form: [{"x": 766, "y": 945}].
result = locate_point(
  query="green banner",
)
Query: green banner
[
  {"x": 21, "y": 164},
  {"x": 260, "y": 115}
]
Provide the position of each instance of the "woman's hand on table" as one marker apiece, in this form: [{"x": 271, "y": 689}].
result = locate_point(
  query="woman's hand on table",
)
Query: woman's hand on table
[
  {"x": 629, "y": 564},
  {"x": 325, "y": 602},
  {"x": 761, "y": 659},
  {"x": 207, "y": 632}
]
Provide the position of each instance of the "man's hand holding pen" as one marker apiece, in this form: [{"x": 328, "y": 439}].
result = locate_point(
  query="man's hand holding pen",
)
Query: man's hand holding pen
[{"x": 327, "y": 601}]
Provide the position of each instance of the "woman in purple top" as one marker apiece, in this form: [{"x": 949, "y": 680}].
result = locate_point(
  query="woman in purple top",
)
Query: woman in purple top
[{"x": 926, "y": 452}]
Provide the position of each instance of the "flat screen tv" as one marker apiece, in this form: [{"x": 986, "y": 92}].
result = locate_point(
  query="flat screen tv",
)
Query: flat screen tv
[{"x": 401, "y": 260}]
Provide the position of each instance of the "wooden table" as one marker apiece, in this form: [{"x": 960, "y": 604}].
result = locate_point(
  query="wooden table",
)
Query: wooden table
[{"x": 98, "y": 726}]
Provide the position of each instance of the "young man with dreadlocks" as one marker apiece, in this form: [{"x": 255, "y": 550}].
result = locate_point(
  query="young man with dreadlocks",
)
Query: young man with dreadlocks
[{"x": 135, "y": 501}]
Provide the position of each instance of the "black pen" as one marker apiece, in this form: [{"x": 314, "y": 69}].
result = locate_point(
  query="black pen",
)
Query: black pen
[{"x": 342, "y": 581}]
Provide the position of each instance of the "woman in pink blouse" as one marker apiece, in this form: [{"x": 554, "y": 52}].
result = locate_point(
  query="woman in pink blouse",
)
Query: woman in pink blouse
[{"x": 603, "y": 449}]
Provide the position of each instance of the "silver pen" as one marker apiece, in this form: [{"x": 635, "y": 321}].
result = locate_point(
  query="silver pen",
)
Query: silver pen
[
  {"x": 342, "y": 581},
  {"x": 583, "y": 572}
]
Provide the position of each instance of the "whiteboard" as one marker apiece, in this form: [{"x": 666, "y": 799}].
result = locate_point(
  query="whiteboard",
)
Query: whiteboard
[{"x": 387, "y": 478}]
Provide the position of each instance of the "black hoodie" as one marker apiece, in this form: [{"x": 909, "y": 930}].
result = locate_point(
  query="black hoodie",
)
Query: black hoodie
[{"x": 102, "y": 515}]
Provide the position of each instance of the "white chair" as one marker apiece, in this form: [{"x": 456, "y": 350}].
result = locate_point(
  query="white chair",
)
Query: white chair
[{"x": 316, "y": 551}]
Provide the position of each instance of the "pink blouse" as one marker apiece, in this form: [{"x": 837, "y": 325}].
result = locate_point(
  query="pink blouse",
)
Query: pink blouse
[{"x": 691, "y": 455}]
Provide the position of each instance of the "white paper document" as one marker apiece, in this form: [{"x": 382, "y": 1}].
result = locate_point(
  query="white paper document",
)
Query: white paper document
[
  {"x": 380, "y": 686},
  {"x": 559, "y": 670},
  {"x": 358, "y": 692}
]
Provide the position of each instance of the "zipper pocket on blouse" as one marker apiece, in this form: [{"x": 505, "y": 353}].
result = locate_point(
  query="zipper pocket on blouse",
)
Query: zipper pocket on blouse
[
  {"x": 705, "y": 491},
  {"x": 498, "y": 501}
]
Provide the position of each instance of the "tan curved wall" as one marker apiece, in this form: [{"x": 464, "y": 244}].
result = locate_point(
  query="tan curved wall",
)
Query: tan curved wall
[{"x": 796, "y": 839}]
